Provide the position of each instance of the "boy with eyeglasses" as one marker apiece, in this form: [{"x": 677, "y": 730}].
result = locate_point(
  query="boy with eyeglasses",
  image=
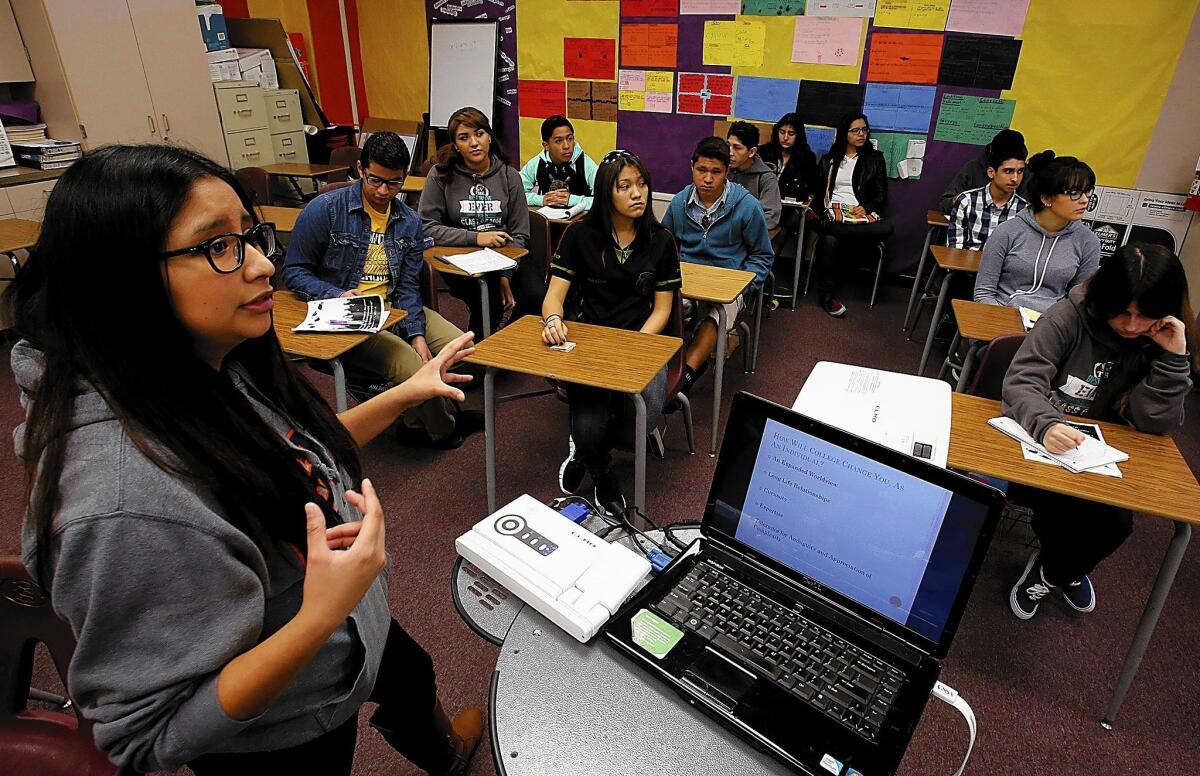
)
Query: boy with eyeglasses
[{"x": 362, "y": 239}]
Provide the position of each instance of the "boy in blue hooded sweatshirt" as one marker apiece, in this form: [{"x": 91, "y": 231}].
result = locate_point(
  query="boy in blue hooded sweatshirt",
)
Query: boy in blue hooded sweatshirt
[
  {"x": 562, "y": 175},
  {"x": 717, "y": 222}
]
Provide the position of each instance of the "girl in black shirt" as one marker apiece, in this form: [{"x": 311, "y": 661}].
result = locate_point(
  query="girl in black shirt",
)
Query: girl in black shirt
[{"x": 624, "y": 267}]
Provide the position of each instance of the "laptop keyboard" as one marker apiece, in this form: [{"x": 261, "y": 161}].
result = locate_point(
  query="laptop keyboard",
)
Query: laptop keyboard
[{"x": 821, "y": 669}]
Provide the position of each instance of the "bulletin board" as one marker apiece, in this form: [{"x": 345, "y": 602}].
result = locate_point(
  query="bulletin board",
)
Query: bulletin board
[{"x": 936, "y": 78}]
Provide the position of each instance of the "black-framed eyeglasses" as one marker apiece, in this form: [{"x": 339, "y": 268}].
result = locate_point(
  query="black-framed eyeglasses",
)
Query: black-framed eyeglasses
[
  {"x": 1077, "y": 194},
  {"x": 227, "y": 252},
  {"x": 858, "y": 130},
  {"x": 613, "y": 156},
  {"x": 374, "y": 181}
]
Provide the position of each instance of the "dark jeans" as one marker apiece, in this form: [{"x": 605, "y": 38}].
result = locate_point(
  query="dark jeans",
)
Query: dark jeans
[
  {"x": 405, "y": 690},
  {"x": 1076, "y": 534},
  {"x": 840, "y": 246},
  {"x": 602, "y": 420}
]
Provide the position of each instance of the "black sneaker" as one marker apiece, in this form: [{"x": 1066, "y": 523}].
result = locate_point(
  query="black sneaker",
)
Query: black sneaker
[
  {"x": 833, "y": 307},
  {"x": 468, "y": 422},
  {"x": 1029, "y": 590},
  {"x": 570, "y": 473},
  {"x": 419, "y": 437},
  {"x": 608, "y": 494},
  {"x": 1080, "y": 596}
]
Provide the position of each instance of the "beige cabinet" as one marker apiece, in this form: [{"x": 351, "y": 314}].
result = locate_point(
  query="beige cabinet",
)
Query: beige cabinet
[
  {"x": 14, "y": 66},
  {"x": 26, "y": 200},
  {"x": 129, "y": 71}
]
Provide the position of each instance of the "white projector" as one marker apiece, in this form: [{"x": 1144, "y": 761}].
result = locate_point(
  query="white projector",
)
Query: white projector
[{"x": 566, "y": 572}]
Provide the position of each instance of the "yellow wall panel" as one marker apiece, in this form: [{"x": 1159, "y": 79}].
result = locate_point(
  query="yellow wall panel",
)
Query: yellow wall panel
[
  {"x": 596, "y": 137},
  {"x": 778, "y": 60},
  {"x": 294, "y": 15},
  {"x": 542, "y": 25},
  {"x": 395, "y": 53},
  {"x": 1092, "y": 79}
]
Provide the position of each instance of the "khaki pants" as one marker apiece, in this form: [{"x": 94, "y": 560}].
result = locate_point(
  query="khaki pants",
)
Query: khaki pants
[{"x": 387, "y": 356}]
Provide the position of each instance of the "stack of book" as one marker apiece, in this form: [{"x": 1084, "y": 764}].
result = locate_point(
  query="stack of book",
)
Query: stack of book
[
  {"x": 46, "y": 154},
  {"x": 26, "y": 133}
]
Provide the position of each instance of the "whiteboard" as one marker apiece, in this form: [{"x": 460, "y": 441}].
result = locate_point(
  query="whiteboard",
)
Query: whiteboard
[{"x": 462, "y": 68}]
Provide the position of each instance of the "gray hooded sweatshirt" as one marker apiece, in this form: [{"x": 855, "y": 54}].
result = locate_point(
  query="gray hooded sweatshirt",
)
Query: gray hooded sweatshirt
[
  {"x": 161, "y": 592},
  {"x": 1023, "y": 265},
  {"x": 761, "y": 180},
  {"x": 1072, "y": 363},
  {"x": 452, "y": 212}
]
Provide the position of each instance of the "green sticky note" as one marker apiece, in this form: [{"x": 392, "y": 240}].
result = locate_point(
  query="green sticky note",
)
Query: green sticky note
[
  {"x": 773, "y": 7},
  {"x": 654, "y": 634},
  {"x": 964, "y": 118}
]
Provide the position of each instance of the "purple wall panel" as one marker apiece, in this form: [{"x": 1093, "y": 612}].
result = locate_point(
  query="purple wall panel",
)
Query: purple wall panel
[{"x": 665, "y": 142}]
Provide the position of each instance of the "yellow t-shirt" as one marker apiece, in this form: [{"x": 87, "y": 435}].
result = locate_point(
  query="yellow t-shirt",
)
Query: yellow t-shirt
[{"x": 376, "y": 275}]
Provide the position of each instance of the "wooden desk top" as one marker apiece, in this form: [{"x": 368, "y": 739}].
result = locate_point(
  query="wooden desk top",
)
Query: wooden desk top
[
  {"x": 956, "y": 259},
  {"x": 1156, "y": 480},
  {"x": 284, "y": 218},
  {"x": 18, "y": 233},
  {"x": 413, "y": 184},
  {"x": 614, "y": 359},
  {"x": 795, "y": 203},
  {"x": 986, "y": 322},
  {"x": 936, "y": 218},
  {"x": 290, "y": 311},
  {"x": 434, "y": 256},
  {"x": 706, "y": 283},
  {"x": 300, "y": 170}
]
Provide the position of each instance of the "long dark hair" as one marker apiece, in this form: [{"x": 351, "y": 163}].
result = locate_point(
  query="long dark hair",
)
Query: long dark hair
[
  {"x": 837, "y": 151},
  {"x": 600, "y": 218},
  {"x": 92, "y": 299},
  {"x": 448, "y": 155},
  {"x": 1149, "y": 275},
  {"x": 773, "y": 151}
]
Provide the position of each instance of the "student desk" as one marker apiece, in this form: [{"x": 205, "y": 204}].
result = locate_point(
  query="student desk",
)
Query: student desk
[
  {"x": 720, "y": 286},
  {"x": 604, "y": 357},
  {"x": 937, "y": 221},
  {"x": 294, "y": 170},
  {"x": 1156, "y": 481},
  {"x": 803, "y": 208},
  {"x": 17, "y": 234},
  {"x": 980, "y": 322},
  {"x": 284, "y": 218},
  {"x": 436, "y": 258},
  {"x": 558, "y": 227},
  {"x": 950, "y": 260},
  {"x": 290, "y": 311}
]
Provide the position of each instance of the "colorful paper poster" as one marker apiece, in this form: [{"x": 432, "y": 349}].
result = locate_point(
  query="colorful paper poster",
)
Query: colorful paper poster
[
  {"x": 979, "y": 61},
  {"x": 650, "y": 7},
  {"x": 710, "y": 7},
  {"x": 819, "y": 139},
  {"x": 646, "y": 90},
  {"x": 591, "y": 58},
  {"x": 765, "y": 99},
  {"x": 901, "y": 57},
  {"x": 824, "y": 102},
  {"x": 964, "y": 118},
  {"x": 894, "y": 147},
  {"x": 773, "y": 7},
  {"x": 649, "y": 45},
  {"x": 738, "y": 43},
  {"x": 1117, "y": 216},
  {"x": 991, "y": 17},
  {"x": 860, "y": 8},
  {"x": 594, "y": 100},
  {"x": 709, "y": 94},
  {"x": 899, "y": 108},
  {"x": 541, "y": 99},
  {"x": 912, "y": 14},
  {"x": 827, "y": 41}
]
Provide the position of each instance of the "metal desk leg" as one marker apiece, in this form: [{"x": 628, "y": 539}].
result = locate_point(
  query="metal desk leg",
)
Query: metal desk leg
[
  {"x": 485, "y": 308},
  {"x": 799, "y": 259},
  {"x": 950, "y": 353},
  {"x": 489, "y": 434},
  {"x": 933, "y": 323},
  {"x": 339, "y": 384},
  {"x": 912, "y": 295},
  {"x": 639, "y": 454},
  {"x": 717, "y": 378},
  {"x": 1145, "y": 628},
  {"x": 967, "y": 368},
  {"x": 762, "y": 300}
]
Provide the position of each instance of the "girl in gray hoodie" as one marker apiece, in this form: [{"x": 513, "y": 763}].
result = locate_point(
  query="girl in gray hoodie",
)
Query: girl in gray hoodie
[
  {"x": 1033, "y": 260},
  {"x": 1116, "y": 349}
]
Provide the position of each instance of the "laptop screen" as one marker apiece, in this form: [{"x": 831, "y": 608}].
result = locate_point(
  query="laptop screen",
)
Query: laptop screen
[{"x": 889, "y": 539}]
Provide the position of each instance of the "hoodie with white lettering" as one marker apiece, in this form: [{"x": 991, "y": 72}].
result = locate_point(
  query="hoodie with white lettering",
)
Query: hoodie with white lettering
[{"x": 1023, "y": 265}]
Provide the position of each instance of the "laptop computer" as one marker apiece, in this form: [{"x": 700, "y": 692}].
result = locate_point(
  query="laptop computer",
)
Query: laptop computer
[{"x": 813, "y": 614}]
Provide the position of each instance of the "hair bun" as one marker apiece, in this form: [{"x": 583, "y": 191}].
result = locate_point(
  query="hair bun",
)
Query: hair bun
[{"x": 1040, "y": 160}]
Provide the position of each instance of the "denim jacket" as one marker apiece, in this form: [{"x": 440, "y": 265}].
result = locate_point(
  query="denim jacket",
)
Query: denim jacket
[{"x": 328, "y": 248}]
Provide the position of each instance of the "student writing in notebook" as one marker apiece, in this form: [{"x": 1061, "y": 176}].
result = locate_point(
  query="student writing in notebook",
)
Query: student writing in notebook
[
  {"x": 624, "y": 269},
  {"x": 1121, "y": 348},
  {"x": 189, "y": 489}
]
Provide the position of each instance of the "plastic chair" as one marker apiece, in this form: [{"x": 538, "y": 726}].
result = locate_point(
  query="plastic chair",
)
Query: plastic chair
[
  {"x": 48, "y": 743},
  {"x": 346, "y": 155},
  {"x": 989, "y": 377},
  {"x": 324, "y": 187},
  {"x": 676, "y": 399},
  {"x": 255, "y": 181}
]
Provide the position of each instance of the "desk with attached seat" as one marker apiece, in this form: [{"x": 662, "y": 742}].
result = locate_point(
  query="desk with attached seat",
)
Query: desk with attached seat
[
  {"x": 949, "y": 260},
  {"x": 937, "y": 221},
  {"x": 982, "y": 323}
]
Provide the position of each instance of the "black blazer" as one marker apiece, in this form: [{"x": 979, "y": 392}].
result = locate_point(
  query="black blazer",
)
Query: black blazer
[{"x": 869, "y": 180}]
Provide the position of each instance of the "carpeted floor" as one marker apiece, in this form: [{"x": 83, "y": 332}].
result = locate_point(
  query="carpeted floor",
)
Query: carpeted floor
[{"x": 1038, "y": 688}]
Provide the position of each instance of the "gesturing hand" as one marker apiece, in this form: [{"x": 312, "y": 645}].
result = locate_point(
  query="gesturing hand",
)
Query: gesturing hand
[
  {"x": 334, "y": 582},
  {"x": 555, "y": 332},
  {"x": 435, "y": 379}
]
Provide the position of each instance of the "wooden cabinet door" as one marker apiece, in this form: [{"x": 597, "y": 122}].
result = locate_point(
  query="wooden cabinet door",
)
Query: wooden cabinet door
[
  {"x": 100, "y": 59},
  {"x": 176, "y": 67},
  {"x": 14, "y": 66}
]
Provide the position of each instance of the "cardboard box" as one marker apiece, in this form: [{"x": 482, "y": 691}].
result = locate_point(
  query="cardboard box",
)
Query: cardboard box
[
  {"x": 212, "y": 26},
  {"x": 257, "y": 66}
]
